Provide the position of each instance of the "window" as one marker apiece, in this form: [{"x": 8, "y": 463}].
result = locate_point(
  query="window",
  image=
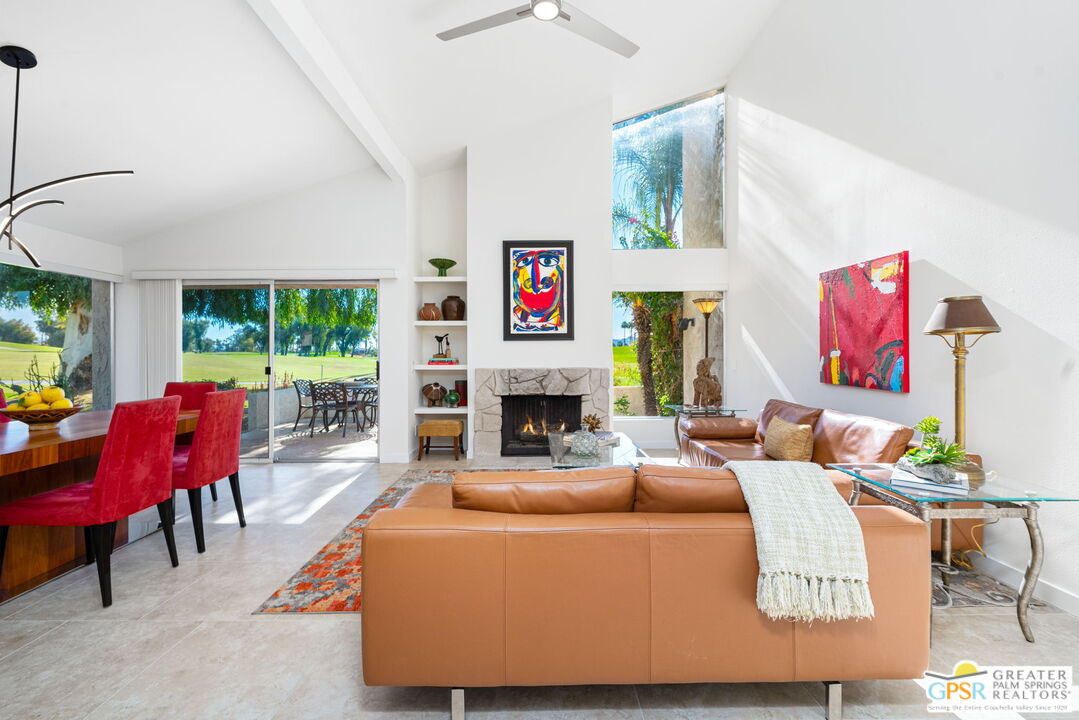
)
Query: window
[
  {"x": 55, "y": 329},
  {"x": 657, "y": 338},
  {"x": 668, "y": 177}
]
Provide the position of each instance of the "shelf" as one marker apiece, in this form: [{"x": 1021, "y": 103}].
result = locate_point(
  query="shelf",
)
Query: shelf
[
  {"x": 441, "y": 411},
  {"x": 424, "y": 367},
  {"x": 440, "y": 323},
  {"x": 436, "y": 279}
]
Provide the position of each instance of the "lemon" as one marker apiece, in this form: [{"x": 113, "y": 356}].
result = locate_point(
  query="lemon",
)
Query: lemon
[
  {"x": 61, "y": 404},
  {"x": 38, "y": 406},
  {"x": 52, "y": 394},
  {"x": 14, "y": 407},
  {"x": 30, "y": 398}
]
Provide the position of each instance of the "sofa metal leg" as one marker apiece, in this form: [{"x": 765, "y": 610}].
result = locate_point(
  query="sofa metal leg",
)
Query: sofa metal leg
[
  {"x": 833, "y": 700},
  {"x": 457, "y": 704}
]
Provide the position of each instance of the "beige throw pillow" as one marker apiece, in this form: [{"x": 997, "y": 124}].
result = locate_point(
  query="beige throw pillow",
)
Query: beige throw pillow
[{"x": 786, "y": 441}]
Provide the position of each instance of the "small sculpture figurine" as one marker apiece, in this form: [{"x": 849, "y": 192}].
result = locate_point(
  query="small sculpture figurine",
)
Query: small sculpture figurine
[
  {"x": 434, "y": 394},
  {"x": 707, "y": 392},
  {"x": 443, "y": 339},
  {"x": 592, "y": 422}
]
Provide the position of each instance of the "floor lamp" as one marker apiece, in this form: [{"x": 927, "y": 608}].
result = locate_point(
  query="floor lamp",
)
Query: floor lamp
[
  {"x": 960, "y": 317},
  {"x": 707, "y": 306}
]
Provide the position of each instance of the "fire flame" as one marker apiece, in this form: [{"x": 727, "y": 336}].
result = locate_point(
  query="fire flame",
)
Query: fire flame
[{"x": 529, "y": 428}]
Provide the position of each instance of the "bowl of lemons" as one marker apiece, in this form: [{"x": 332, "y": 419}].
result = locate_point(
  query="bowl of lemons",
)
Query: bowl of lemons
[{"x": 41, "y": 410}]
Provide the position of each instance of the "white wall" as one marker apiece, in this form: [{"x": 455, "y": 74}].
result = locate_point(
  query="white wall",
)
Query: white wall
[
  {"x": 860, "y": 129},
  {"x": 442, "y": 208},
  {"x": 359, "y": 221}
]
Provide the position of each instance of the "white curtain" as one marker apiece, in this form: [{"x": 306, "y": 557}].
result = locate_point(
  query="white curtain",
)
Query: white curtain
[{"x": 159, "y": 331}]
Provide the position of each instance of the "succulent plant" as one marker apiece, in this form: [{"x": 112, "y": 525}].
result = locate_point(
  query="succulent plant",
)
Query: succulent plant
[{"x": 592, "y": 422}]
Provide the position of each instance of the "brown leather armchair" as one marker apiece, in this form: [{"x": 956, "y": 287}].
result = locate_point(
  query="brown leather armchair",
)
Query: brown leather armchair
[{"x": 604, "y": 576}]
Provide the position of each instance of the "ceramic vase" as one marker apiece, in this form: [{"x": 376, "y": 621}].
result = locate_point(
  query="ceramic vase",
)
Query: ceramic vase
[
  {"x": 452, "y": 399},
  {"x": 430, "y": 311},
  {"x": 453, "y": 308},
  {"x": 461, "y": 386}
]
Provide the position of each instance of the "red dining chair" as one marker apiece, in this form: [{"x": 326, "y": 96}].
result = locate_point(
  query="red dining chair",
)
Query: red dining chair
[
  {"x": 132, "y": 475},
  {"x": 3, "y": 404},
  {"x": 192, "y": 395},
  {"x": 214, "y": 453}
]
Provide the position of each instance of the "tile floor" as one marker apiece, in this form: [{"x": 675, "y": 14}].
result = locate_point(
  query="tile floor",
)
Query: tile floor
[{"x": 182, "y": 643}]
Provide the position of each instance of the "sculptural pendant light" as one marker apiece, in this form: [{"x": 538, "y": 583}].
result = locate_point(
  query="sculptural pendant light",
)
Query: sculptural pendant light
[{"x": 22, "y": 59}]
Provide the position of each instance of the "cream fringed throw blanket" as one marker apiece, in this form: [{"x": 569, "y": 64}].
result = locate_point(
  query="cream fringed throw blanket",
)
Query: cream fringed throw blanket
[{"x": 809, "y": 544}]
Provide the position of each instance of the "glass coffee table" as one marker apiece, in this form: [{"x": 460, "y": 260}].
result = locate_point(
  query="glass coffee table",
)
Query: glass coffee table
[
  {"x": 691, "y": 411},
  {"x": 999, "y": 498},
  {"x": 624, "y": 453}
]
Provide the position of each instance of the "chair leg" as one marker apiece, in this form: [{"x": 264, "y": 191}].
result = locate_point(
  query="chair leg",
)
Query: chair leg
[
  {"x": 299, "y": 412},
  {"x": 234, "y": 483},
  {"x": 194, "y": 496},
  {"x": 213, "y": 491},
  {"x": 88, "y": 541},
  {"x": 456, "y": 446},
  {"x": 102, "y": 536},
  {"x": 419, "y": 451},
  {"x": 165, "y": 512}
]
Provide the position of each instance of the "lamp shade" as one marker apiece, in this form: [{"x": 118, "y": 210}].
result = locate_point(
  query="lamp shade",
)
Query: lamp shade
[
  {"x": 706, "y": 305},
  {"x": 966, "y": 314}
]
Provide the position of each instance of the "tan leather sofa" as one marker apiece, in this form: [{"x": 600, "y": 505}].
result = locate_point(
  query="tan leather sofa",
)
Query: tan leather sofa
[
  {"x": 607, "y": 576},
  {"x": 838, "y": 437}
]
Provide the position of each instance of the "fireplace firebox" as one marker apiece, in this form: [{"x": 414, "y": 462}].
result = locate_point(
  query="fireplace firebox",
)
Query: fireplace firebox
[{"x": 526, "y": 420}]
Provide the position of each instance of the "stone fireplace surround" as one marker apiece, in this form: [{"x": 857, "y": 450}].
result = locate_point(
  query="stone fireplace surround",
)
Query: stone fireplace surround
[{"x": 592, "y": 384}]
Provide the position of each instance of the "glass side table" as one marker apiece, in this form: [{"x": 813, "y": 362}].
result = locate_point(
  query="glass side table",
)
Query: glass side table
[
  {"x": 999, "y": 498},
  {"x": 624, "y": 453},
  {"x": 691, "y": 411}
]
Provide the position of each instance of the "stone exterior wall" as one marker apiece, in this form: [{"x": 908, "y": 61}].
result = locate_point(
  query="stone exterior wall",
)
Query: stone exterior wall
[{"x": 592, "y": 384}]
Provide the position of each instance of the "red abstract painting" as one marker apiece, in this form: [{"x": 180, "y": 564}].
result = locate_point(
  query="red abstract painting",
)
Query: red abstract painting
[{"x": 864, "y": 324}]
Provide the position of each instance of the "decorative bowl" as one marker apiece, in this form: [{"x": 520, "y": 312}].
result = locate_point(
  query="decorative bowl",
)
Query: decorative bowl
[
  {"x": 443, "y": 264},
  {"x": 40, "y": 419}
]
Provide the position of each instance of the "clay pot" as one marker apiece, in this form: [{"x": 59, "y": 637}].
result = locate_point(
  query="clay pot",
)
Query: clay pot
[
  {"x": 453, "y": 308},
  {"x": 430, "y": 311},
  {"x": 434, "y": 393}
]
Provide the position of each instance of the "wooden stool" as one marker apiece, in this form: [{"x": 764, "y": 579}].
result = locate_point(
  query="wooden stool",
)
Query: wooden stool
[{"x": 440, "y": 428}]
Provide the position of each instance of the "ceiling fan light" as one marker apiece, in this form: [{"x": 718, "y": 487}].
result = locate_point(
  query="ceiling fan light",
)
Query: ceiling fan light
[{"x": 546, "y": 9}]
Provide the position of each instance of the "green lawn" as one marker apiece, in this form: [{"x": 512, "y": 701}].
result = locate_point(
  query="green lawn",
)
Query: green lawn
[
  {"x": 626, "y": 371},
  {"x": 15, "y": 358},
  {"x": 249, "y": 367}
]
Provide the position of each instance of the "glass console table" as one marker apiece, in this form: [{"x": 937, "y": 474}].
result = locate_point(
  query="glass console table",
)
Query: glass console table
[
  {"x": 691, "y": 411},
  {"x": 624, "y": 453},
  {"x": 999, "y": 498}
]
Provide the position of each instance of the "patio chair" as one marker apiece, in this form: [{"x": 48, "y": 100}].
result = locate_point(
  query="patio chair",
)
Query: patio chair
[
  {"x": 368, "y": 401},
  {"x": 303, "y": 392},
  {"x": 336, "y": 397}
]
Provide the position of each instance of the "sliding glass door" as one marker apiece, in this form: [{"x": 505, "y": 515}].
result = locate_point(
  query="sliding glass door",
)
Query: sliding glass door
[{"x": 226, "y": 340}]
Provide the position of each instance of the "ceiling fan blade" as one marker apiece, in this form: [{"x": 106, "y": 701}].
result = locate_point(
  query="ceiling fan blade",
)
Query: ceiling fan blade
[
  {"x": 588, "y": 27},
  {"x": 493, "y": 21}
]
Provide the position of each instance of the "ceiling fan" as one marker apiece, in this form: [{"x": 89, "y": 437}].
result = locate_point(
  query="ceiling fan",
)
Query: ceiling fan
[{"x": 560, "y": 13}]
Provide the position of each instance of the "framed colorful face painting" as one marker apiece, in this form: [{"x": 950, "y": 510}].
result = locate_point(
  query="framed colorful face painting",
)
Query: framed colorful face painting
[
  {"x": 864, "y": 326},
  {"x": 538, "y": 290}
]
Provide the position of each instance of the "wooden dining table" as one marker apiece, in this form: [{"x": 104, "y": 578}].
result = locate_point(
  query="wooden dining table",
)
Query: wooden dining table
[{"x": 35, "y": 461}]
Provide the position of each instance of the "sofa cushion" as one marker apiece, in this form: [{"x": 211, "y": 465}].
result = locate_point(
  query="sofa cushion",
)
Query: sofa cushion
[
  {"x": 791, "y": 412},
  {"x": 666, "y": 489},
  {"x": 726, "y": 450},
  {"x": 787, "y": 441},
  {"x": 717, "y": 428},
  {"x": 549, "y": 492},
  {"x": 840, "y": 437}
]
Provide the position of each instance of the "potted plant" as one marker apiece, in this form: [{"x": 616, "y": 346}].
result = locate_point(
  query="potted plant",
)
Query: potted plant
[{"x": 934, "y": 459}]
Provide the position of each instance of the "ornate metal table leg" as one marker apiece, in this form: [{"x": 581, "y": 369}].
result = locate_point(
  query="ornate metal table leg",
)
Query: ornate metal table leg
[
  {"x": 1033, "y": 569},
  {"x": 855, "y": 492},
  {"x": 945, "y": 549}
]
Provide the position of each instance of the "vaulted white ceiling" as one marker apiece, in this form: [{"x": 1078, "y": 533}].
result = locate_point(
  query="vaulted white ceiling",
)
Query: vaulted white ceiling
[
  {"x": 201, "y": 100},
  {"x": 196, "y": 97},
  {"x": 434, "y": 96}
]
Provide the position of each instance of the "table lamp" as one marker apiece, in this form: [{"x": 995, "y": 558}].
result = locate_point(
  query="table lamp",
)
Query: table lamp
[
  {"x": 960, "y": 317},
  {"x": 707, "y": 306}
]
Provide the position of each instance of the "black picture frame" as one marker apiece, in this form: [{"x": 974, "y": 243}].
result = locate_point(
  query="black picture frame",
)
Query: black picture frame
[{"x": 507, "y": 271}]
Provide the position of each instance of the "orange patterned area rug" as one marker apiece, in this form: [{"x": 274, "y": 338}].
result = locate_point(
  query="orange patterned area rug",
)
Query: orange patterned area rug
[{"x": 330, "y": 581}]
